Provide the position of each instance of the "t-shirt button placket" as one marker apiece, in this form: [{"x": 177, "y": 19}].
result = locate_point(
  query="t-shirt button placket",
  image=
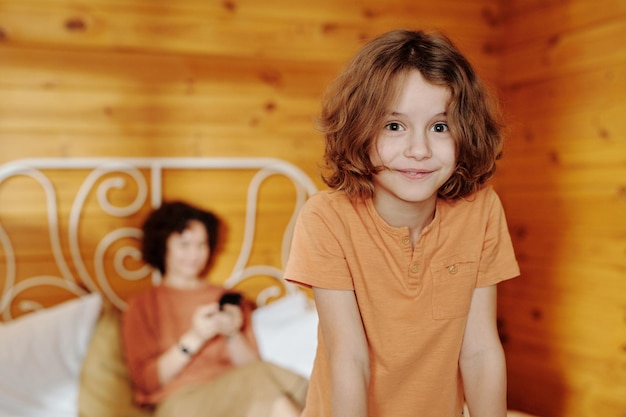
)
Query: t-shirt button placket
[{"x": 414, "y": 279}]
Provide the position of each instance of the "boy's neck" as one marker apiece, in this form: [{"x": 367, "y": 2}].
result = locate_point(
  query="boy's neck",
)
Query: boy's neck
[{"x": 414, "y": 215}]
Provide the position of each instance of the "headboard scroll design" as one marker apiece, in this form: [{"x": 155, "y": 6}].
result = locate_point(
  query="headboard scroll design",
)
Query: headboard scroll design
[{"x": 106, "y": 174}]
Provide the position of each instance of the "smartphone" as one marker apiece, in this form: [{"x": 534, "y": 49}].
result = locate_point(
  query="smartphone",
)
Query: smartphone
[{"x": 230, "y": 298}]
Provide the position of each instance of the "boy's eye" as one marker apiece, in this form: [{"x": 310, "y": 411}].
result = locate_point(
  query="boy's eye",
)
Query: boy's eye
[
  {"x": 395, "y": 126},
  {"x": 440, "y": 127}
]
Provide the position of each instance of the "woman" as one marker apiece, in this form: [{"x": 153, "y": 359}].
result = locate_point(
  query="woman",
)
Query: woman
[{"x": 188, "y": 354}]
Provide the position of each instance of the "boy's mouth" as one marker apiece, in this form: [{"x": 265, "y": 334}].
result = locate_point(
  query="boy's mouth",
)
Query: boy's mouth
[{"x": 414, "y": 173}]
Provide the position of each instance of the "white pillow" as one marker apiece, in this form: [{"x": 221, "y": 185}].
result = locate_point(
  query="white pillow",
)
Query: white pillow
[
  {"x": 41, "y": 355},
  {"x": 286, "y": 332}
]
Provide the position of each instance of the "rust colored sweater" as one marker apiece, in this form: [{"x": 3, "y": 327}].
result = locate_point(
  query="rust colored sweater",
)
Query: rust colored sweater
[{"x": 154, "y": 322}]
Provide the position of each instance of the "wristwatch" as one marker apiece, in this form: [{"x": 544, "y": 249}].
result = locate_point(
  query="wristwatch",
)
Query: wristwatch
[{"x": 185, "y": 349}]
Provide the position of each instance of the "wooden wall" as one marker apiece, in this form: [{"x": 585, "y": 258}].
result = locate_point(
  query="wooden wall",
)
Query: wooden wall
[
  {"x": 563, "y": 182},
  {"x": 244, "y": 78},
  {"x": 191, "y": 77},
  {"x": 128, "y": 78}
]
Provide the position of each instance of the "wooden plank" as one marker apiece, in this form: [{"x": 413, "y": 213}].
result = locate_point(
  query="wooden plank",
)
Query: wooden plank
[
  {"x": 87, "y": 70},
  {"x": 605, "y": 183},
  {"x": 577, "y": 51},
  {"x": 548, "y": 384},
  {"x": 601, "y": 88},
  {"x": 289, "y": 32},
  {"x": 530, "y": 20},
  {"x": 599, "y": 255},
  {"x": 589, "y": 134},
  {"x": 86, "y": 108},
  {"x": 574, "y": 110},
  {"x": 558, "y": 280},
  {"x": 578, "y": 381},
  {"x": 549, "y": 288},
  {"x": 159, "y": 29},
  {"x": 576, "y": 156},
  {"x": 107, "y": 123}
]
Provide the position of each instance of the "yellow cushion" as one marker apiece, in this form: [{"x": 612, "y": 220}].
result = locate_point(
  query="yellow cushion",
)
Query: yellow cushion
[{"x": 105, "y": 389}]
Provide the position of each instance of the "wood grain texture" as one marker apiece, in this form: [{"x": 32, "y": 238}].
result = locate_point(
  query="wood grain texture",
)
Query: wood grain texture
[{"x": 563, "y": 182}]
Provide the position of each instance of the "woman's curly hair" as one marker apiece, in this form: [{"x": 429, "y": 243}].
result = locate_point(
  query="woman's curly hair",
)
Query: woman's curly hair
[
  {"x": 355, "y": 105},
  {"x": 174, "y": 217}
]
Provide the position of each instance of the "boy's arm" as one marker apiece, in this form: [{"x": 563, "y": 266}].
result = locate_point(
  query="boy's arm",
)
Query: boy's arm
[
  {"x": 482, "y": 360},
  {"x": 347, "y": 350}
]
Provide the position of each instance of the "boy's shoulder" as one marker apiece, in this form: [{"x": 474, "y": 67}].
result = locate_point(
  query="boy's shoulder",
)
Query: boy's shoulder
[
  {"x": 478, "y": 207},
  {"x": 333, "y": 208},
  {"x": 329, "y": 199}
]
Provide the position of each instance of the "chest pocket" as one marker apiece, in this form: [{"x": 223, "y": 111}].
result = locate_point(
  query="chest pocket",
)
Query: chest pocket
[{"x": 454, "y": 280}]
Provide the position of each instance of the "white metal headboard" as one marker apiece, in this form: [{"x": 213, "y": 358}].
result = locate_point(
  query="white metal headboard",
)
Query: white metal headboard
[{"x": 99, "y": 167}]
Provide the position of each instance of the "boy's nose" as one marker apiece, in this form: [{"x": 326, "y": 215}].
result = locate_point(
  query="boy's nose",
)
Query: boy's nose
[{"x": 417, "y": 147}]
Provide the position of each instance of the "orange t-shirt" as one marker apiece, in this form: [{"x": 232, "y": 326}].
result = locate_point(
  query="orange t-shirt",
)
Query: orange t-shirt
[
  {"x": 154, "y": 321},
  {"x": 413, "y": 302}
]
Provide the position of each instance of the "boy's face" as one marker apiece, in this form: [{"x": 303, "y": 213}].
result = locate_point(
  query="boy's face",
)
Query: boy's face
[
  {"x": 414, "y": 145},
  {"x": 187, "y": 252}
]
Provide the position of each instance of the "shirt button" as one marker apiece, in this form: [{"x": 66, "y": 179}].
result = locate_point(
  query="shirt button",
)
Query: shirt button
[
  {"x": 406, "y": 241},
  {"x": 414, "y": 268},
  {"x": 452, "y": 269}
]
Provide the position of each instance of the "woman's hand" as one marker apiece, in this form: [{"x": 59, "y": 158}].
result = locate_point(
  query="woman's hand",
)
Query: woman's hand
[
  {"x": 240, "y": 347},
  {"x": 205, "y": 325},
  {"x": 206, "y": 322},
  {"x": 209, "y": 321}
]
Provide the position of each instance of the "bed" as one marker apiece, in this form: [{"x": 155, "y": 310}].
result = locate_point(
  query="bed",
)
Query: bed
[{"x": 60, "y": 352}]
